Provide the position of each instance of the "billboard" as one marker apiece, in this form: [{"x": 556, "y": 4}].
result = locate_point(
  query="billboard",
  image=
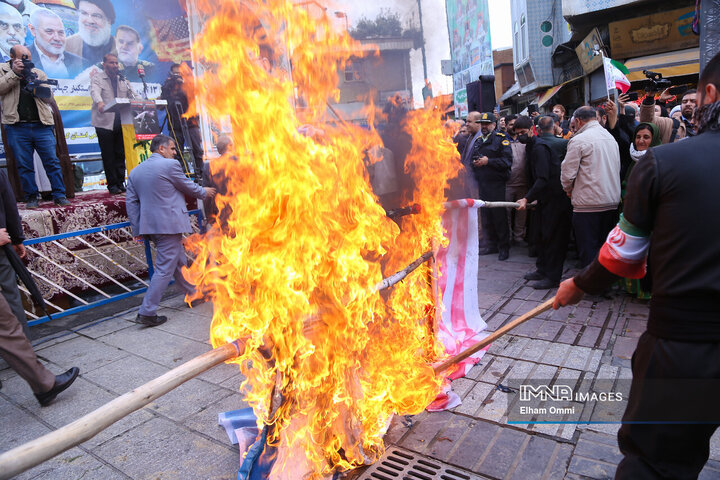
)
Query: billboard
[
  {"x": 68, "y": 39},
  {"x": 471, "y": 50}
]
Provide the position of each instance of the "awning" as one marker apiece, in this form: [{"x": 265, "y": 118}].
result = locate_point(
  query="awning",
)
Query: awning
[
  {"x": 512, "y": 91},
  {"x": 547, "y": 95},
  {"x": 670, "y": 64}
]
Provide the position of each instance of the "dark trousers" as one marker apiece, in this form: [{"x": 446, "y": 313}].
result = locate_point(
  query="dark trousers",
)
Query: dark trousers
[
  {"x": 496, "y": 232},
  {"x": 591, "y": 230},
  {"x": 112, "y": 150},
  {"x": 554, "y": 217},
  {"x": 672, "y": 382},
  {"x": 9, "y": 287},
  {"x": 23, "y": 138}
]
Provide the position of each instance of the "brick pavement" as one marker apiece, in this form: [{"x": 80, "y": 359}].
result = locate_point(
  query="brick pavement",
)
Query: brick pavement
[{"x": 177, "y": 437}]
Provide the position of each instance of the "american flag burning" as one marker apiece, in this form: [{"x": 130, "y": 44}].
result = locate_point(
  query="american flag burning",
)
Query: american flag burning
[{"x": 302, "y": 242}]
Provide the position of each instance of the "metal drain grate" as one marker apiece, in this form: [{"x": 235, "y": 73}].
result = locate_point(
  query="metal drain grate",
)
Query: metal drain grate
[{"x": 400, "y": 464}]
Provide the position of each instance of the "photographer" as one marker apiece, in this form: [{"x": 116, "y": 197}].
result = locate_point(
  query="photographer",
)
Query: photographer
[
  {"x": 28, "y": 120},
  {"x": 671, "y": 130},
  {"x": 173, "y": 91}
]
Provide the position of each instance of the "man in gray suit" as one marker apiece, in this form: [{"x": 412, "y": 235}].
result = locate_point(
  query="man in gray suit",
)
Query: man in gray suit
[{"x": 155, "y": 203}]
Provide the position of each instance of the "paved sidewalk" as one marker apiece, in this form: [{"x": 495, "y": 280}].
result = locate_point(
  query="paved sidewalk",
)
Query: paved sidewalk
[{"x": 177, "y": 436}]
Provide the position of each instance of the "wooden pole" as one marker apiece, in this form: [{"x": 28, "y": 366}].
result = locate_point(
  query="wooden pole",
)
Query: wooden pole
[
  {"x": 28, "y": 455},
  {"x": 494, "y": 336}
]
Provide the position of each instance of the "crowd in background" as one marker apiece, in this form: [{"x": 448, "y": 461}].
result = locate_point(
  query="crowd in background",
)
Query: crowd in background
[{"x": 567, "y": 172}]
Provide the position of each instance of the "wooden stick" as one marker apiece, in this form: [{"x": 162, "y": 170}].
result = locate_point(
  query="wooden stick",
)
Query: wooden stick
[
  {"x": 501, "y": 205},
  {"x": 28, "y": 455},
  {"x": 398, "y": 276},
  {"x": 494, "y": 336}
]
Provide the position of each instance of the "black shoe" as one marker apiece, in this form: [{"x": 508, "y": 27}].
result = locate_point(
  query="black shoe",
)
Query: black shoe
[
  {"x": 504, "y": 255},
  {"x": 488, "y": 251},
  {"x": 62, "y": 381},
  {"x": 534, "y": 276},
  {"x": 63, "y": 202},
  {"x": 114, "y": 190},
  {"x": 532, "y": 252},
  {"x": 544, "y": 284},
  {"x": 122, "y": 188},
  {"x": 32, "y": 203},
  {"x": 150, "y": 321}
]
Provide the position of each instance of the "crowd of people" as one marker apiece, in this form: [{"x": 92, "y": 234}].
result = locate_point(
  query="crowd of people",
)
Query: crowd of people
[{"x": 568, "y": 174}]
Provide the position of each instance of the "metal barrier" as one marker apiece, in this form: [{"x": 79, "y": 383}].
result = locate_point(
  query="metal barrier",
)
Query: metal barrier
[{"x": 33, "y": 246}]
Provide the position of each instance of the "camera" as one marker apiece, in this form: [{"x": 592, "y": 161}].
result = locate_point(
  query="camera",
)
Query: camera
[
  {"x": 33, "y": 84},
  {"x": 657, "y": 82},
  {"x": 175, "y": 78}
]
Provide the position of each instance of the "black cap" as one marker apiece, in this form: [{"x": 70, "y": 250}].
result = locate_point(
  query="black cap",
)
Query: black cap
[
  {"x": 103, "y": 5},
  {"x": 487, "y": 117}
]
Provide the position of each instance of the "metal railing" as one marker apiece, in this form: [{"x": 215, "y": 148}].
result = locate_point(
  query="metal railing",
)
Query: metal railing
[{"x": 109, "y": 245}]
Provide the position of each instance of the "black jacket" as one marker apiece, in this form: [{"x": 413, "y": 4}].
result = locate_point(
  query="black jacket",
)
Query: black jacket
[
  {"x": 500, "y": 157},
  {"x": 9, "y": 216},
  {"x": 545, "y": 157},
  {"x": 671, "y": 195}
]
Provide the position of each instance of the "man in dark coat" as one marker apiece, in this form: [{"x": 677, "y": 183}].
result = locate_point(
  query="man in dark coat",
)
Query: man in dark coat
[
  {"x": 15, "y": 347},
  {"x": 492, "y": 160}
]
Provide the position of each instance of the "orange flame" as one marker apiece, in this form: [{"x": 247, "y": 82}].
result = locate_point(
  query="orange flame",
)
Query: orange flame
[{"x": 301, "y": 241}]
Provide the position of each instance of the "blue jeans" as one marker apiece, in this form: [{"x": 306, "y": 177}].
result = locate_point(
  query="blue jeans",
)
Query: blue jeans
[{"x": 23, "y": 138}]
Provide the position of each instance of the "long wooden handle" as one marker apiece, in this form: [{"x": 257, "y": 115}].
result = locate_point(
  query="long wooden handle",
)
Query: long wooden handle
[
  {"x": 28, "y": 455},
  {"x": 494, "y": 336}
]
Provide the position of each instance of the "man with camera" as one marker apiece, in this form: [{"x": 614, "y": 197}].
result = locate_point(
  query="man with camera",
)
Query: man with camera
[
  {"x": 28, "y": 120},
  {"x": 173, "y": 91}
]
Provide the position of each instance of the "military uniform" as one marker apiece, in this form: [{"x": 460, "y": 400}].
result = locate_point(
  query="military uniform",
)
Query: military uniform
[{"x": 491, "y": 180}]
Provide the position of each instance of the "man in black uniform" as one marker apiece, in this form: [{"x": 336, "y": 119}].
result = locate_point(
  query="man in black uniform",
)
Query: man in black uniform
[
  {"x": 554, "y": 212},
  {"x": 673, "y": 407},
  {"x": 492, "y": 159}
]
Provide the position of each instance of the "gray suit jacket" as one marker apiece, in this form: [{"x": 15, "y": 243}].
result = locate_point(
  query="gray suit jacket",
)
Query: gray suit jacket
[
  {"x": 155, "y": 201},
  {"x": 101, "y": 91}
]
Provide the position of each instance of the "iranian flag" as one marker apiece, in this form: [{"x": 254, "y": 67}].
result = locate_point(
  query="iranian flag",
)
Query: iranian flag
[{"x": 615, "y": 75}]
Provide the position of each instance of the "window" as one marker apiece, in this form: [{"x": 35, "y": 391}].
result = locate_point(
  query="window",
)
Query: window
[
  {"x": 518, "y": 47},
  {"x": 352, "y": 71}
]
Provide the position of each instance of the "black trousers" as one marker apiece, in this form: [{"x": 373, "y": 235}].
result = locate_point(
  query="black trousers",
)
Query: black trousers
[
  {"x": 195, "y": 145},
  {"x": 554, "y": 218},
  {"x": 591, "y": 230},
  {"x": 672, "y": 382},
  {"x": 496, "y": 232},
  {"x": 113, "y": 155}
]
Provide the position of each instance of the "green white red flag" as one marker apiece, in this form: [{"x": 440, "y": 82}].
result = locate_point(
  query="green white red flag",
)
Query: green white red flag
[{"x": 615, "y": 75}]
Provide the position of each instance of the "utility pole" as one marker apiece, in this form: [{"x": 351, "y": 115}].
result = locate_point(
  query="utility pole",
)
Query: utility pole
[{"x": 422, "y": 37}]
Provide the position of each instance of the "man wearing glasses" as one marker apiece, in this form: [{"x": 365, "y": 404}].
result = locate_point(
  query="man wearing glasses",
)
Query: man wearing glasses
[
  {"x": 93, "y": 39},
  {"x": 12, "y": 30}
]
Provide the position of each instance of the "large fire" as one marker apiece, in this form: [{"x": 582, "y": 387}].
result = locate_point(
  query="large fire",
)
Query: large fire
[{"x": 302, "y": 241}]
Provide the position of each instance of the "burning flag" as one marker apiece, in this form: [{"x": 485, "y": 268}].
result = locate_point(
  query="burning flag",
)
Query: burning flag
[{"x": 293, "y": 264}]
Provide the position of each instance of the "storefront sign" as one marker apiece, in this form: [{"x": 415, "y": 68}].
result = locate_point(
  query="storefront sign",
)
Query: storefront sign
[
  {"x": 661, "y": 32},
  {"x": 586, "y": 52}
]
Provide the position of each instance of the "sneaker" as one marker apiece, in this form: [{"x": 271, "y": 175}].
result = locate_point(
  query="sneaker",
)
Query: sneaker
[
  {"x": 32, "y": 203},
  {"x": 63, "y": 202}
]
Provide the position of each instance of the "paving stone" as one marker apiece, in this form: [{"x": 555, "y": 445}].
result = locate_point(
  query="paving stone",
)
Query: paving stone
[
  {"x": 578, "y": 358},
  {"x": 220, "y": 373},
  {"x": 635, "y": 328},
  {"x": 598, "y": 451},
  {"x": 590, "y": 336},
  {"x": 462, "y": 386},
  {"x": 119, "y": 428},
  {"x": 599, "y": 317},
  {"x": 570, "y": 333},
  {"x": 535, "y": 458},
  {"x": 471, "y": 448},
  {"x": 624, "y": 347},
  {"x": 473, "y": 400},
  {"x": 83, "y": 353},
  {"x": 605, "y": 339},
  {"x": 73, "y": 463},
  {"x": 156, "y": 345},
  {"x": 125, "y": 374},
  {"x": 528, "y": 328},
  {"x": 556, "y": 354},
  {"x": 559, "y": 466},
  {"x": 533, "y": 350},
  {"x": 502, "y": 453},
  {"x": 591, "y": 468},
  {"x": 107, "y": 326},
  {"x": 187, "y": 399},
  {"x": 205, "y": 421},
  {"x": 18, "y": 427},
  {"x": 548, "y": 330},
  {"x": 496, "y": 321},
  {"x": 447, "y": 439},
  {"x": 159, "y": 450},
  {"x": 420, "y": 435},
  {"x": 189, "y": 324},
  {"x": 495, "y": 407}
]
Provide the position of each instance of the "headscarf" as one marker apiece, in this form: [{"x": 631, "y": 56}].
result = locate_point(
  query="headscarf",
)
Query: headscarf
[
  {"x": 637, "y": 155},
  {"x": 675, "y": 109}
]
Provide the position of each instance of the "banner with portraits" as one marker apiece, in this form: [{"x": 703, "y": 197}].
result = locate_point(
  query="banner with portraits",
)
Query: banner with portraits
[
  {"x": 68, "y": 39},
  {"x": 471, "y": 50}
]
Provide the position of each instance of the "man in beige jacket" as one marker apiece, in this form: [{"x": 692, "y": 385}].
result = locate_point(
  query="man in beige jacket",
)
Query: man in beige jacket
[
  {"x": 105, "y": 86},
  {"x": 590, "y": 175}
]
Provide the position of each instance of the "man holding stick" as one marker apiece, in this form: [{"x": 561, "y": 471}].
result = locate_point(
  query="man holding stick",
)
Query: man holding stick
[{"x": 672, "y": 410}]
